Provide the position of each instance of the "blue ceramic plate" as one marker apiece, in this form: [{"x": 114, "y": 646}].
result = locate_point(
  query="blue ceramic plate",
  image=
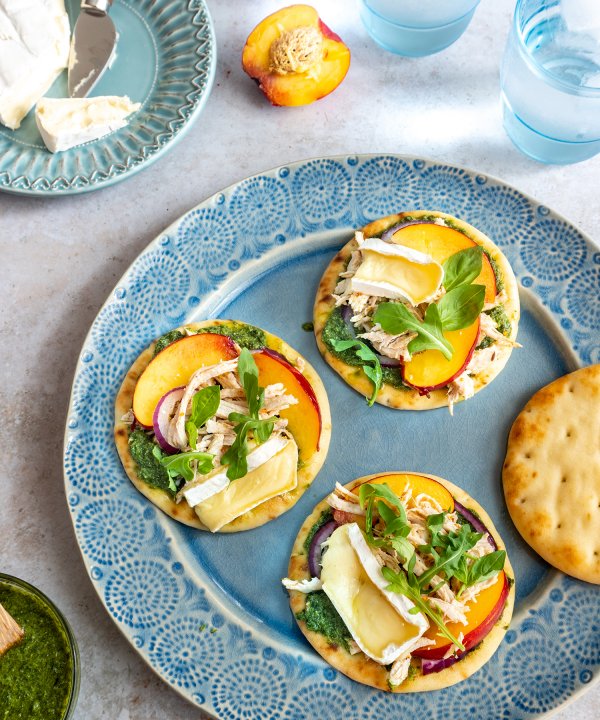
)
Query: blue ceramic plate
[
  {"x": 208, "y": 612},
  {"x": 166, "y": 58}
]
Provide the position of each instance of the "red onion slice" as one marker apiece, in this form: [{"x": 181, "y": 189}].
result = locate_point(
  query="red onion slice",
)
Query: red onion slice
[
  {"x": 387, "y": 235},
  {"x": 314, "y": 552},
  {"x": 162, "y": 417},
  {"x": 432, "y": 666},
  {"x": 475, "y": 522}
]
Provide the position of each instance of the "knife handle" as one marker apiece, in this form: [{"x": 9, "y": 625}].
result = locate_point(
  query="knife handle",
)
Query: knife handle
[{"x": 96, "y": 7}]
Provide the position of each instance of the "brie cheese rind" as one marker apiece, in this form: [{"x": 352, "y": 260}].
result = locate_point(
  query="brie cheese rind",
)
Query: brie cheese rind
[
  {"x": 34, "y": 50},
  {"x": 66, "y": 122},
  {"x": 273, "y": 477},
  {"x": 396, "y": 272},
  {"x": 378, "y": 619}
]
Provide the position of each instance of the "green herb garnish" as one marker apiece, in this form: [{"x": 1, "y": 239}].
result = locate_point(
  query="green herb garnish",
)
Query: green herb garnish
[
  {"x": 180, "y": 465},
  {"x": 396, "y": 318},
  {"x": 236, "y": 456},
  {"x": 463, "y": 267},
  {"x": 372, "y": 368},
  {"x": 205, "y": 404},
  {"x": 449, "y": 552}
]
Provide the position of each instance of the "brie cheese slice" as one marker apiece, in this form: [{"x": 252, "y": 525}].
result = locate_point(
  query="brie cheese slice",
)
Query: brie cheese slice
[
  {"x": 66, "y": 122},
  {"x": 270, "y": 478},
  {"x": 218, "y": 481},
  {"x": 378, "y": 620},
  {"x": 34, "y": 50},
  {"x": 396, "y": 272}
]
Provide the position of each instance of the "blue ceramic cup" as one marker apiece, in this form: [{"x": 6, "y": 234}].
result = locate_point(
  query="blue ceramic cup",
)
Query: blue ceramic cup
[
  {"x": 416, "y": 27},
  {"x": 550, "y": 79}
]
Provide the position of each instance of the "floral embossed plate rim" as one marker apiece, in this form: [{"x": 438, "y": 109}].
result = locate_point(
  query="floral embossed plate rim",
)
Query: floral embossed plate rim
[
  {"x": 183, "y": 623},
  {"x": 165, "y": 59}
]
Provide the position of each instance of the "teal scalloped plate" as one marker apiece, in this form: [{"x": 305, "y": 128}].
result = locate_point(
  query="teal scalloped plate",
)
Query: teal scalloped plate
[
  {"x": 166, "y": 58},
  {"x": 208, "y": 612}
]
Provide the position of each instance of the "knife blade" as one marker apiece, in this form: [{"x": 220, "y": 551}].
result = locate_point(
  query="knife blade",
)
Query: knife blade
[{"x": 92, "y": 46}]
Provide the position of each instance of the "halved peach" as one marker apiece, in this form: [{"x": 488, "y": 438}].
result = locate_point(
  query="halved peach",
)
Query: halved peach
[
  {"x": 294, "y": 57},
  {"x": 429, "y": 370},
  {"x": 304, "y": 418},
  {"x": 418, "y": 484},
  {"x": 482, "y": 614},
  {"x": 441, "y": 242},
  {"x": 174, "y": 366}
]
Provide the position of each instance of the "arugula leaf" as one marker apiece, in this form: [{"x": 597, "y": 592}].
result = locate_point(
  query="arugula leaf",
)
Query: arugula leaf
[
  {"x": 248, "y": 373},
  {"x": 408, "y": 585},
  {"x": 396, "y": 318},
  {"x": 373, "y": 367},
  {"x": 395, "y": 524},
  {"x": 236, "y": 456},
  {"x": 462, "y": 267},
  {"x": 192, "y": 433},
  {"x": 461, "y": 306},
  {"x": 181, "y": 464}
]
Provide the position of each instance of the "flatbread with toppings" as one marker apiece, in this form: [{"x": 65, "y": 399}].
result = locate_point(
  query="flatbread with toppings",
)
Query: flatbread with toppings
[
  {"x": 400, "y": 581},
  {"x": 551, "y": 473},
  {"x": 222, "y": 425},
  {"x": 419, "y": 310}
]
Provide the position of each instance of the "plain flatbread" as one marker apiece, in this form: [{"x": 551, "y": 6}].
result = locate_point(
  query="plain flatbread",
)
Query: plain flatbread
[
  {"x": 551, "y": 473},
  {"x": 183, "y": 512},
  {"x": 360, "y": 667},
  {"x": 408, "y": 399}
]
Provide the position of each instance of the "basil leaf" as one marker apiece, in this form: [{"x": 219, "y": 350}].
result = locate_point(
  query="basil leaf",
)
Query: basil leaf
[
  {"x": 180, "y": 464},
  {"x": 192, "y": 433},
  {"x": 205, "y": 404},
  {"x": 462, "y": 267},
  {"x": 396, "y": 318},
  {"x": 460, "y": 307},
  {"x": 373, "y": 367}
]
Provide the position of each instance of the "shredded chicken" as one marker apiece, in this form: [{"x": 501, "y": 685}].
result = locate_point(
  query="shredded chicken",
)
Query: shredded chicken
[
  {"x": 452, "y": 611},
  {"x": 481, "y": 360},
  {"x": 461, "y": 388},
  {"x": 399, "y": 670},
  {"x": 392, "y": 346},
  {"x": 303, "y": 586},
  {"x": 336, "y": 502}
]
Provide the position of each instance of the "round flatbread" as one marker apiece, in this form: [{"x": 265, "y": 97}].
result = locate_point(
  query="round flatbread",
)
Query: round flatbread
[
  {"x": 404, "y": 398},
  {"x": 551, "y": 474},
  {"x": 359, "y": 666},
  {"x": 182, "y": 511}
]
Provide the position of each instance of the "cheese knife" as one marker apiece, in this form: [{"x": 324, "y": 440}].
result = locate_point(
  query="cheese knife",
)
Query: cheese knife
[{"x": 92, "y": 46}]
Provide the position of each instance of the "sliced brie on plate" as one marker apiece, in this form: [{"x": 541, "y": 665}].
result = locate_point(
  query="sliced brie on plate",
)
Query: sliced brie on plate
[{"x": 66, "y": 122}]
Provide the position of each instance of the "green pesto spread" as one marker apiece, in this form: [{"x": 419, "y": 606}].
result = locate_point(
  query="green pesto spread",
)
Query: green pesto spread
[
  {"x": 167, "y": 339},
  {"x": 320, "y": 616},
  {"x": 36, "y": 676},
  {"x": 499, "y": 316},
  {"x": 246, "y": 336},
  {"x": 150, "y": 470},
  {"x": 325, "y": 517},
  {"x": 336, "y": 329}
]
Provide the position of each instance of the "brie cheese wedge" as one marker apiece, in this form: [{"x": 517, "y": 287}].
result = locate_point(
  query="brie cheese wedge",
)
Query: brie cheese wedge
[
  {"x": 379, "y": 620},
  {"x": 66, "y": 122},
  {"x": 396, "y": 272},
  {"x": 34, "y": 50},
  {"x": 270, "y": 478}
]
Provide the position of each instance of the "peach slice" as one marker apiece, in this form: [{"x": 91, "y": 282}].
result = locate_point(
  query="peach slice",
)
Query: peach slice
[
  {"x": 483, "y": 613},
  {"x": 429, "y": 370},
  {"x": 174, "y": 366},
  {"x": 418, "y": 484},
  {"x": 294, "y": 57},
  {"x": 304, "y": 419},
  {"x": 441, "y": 242}
]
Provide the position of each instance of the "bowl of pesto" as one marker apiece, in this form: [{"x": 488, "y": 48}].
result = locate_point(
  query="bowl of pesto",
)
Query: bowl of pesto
[{"x": 39, "y": 677}]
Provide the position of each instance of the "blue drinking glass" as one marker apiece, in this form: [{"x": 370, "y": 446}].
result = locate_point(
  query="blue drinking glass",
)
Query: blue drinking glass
[
  {"x": 416, "y": 27},
  {"x": 550, "y": 79}
]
